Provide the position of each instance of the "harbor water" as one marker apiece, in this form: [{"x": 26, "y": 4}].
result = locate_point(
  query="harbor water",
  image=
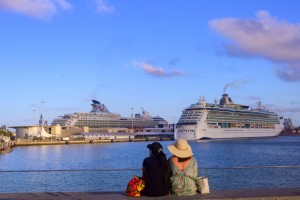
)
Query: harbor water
[{"x": 229, "y": 164}]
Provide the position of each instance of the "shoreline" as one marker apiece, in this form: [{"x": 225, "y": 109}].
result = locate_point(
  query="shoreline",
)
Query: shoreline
[{"x": 37, "y": 142}]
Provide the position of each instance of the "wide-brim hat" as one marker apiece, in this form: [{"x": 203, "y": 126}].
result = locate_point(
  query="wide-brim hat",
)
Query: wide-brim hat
[{"x": 181, "y": 149}]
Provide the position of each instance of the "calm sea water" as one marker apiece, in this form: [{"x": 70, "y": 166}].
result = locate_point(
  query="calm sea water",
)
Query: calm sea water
[{"x": 101, "y": 162}]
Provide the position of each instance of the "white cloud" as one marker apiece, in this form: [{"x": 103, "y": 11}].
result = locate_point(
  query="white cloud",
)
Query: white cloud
[
  {"x": 103, "y": 7},
  {"x": 157, "y": 71},
  {"x": 40, "y": 9},
  {"x": 283, "y": 110},
  {"x": 266, "y": 37},
  {"x": 64, "y": 4}
]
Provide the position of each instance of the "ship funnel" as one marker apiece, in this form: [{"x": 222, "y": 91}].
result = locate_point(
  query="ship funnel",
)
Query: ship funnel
[
  {"x": 225, "y": 100},
  {"x": 97, "y": 107}
]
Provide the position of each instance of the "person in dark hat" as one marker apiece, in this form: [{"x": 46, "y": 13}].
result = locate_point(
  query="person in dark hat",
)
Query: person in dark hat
[{"x": 156, "y": 172}]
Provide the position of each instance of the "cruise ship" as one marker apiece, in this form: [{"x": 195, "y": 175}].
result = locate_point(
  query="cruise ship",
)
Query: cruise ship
[
  {"x": 101, "y": 117},
  {"x": 226, "y": 120}
]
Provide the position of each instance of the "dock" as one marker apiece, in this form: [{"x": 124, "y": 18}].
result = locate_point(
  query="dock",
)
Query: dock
[
  {"x": 55, "y": 142},
  {"x": 245, "y": 194}
]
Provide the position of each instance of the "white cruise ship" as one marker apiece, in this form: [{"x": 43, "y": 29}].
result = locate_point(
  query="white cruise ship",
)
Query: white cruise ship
[
  {"x": 100, "y": 117},
  {"x": 226, "y": 120}
]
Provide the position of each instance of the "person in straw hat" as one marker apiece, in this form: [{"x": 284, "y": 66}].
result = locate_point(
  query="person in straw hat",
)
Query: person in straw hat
[{"x": 183, "y": 169}]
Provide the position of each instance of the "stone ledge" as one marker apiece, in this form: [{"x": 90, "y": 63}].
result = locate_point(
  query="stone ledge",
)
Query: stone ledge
[{"x": 249, "y": 194}]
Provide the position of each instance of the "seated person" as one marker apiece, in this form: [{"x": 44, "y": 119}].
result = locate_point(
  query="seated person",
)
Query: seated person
[
  {"x": 156, "y": 172},
  {"x": 183, "y": 169}
]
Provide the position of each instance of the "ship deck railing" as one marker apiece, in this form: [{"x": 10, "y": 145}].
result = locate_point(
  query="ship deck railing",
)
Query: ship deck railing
[{"x": 115, "y": 180}]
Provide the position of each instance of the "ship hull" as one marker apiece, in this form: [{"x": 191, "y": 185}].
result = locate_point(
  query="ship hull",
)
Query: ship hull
[{"x": 228, "y": 133}]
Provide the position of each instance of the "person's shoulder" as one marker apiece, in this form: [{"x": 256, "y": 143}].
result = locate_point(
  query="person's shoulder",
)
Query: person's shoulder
[
  {"x": 194, "y": 158},
  {"x": 172, "y": 158},
  {"x": 147, "y": 159}
]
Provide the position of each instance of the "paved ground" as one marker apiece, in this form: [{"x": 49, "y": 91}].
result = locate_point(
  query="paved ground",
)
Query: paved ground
[{"x": 251, "y": 194}]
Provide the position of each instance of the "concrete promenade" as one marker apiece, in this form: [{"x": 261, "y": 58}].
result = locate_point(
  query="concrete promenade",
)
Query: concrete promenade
[{"x": 247, "y": 194}]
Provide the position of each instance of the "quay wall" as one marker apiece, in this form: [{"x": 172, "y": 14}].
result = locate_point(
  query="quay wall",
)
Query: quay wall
[{"x": 26, "y": 142}]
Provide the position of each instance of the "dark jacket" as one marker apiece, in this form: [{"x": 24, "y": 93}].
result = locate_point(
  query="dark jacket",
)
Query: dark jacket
[{"x": 156, "y": 179}]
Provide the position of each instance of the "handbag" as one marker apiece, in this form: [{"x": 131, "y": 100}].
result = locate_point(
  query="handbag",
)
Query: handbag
[
  {"x": 135, "y": 186},
  {"x": 202, "y": 184}
]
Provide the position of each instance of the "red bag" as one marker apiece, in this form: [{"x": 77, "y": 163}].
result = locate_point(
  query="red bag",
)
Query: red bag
[{"x": 135, "y": 186}]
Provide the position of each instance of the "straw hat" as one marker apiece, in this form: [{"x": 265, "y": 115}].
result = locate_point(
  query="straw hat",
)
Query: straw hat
[{"x": 181, "y": 149}]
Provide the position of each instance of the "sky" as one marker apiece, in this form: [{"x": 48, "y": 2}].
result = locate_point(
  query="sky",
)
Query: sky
[{"x": 162, "y": 56}]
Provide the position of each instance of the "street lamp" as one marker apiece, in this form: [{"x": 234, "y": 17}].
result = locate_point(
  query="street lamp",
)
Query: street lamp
[
  {"x": 174, "y": 126},
  {"x": 132, "y": 118}
]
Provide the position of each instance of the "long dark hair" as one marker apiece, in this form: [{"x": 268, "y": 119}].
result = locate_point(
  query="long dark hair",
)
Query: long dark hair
[{"x": 162, "y": 162}]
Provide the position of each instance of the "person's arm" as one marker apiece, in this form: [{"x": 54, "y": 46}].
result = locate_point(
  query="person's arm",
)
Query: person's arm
[
  {"x": 144, "y": 174},
  {"x": 195, "y": 169},
  {"x": 144, "y": 177}
]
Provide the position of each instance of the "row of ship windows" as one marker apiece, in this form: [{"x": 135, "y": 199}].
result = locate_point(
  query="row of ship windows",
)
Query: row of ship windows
[
  {"x": 239, "y": 115},
  {"x": 231, "y": 121},
  {"x": 97, "y": 118},
  {"x": 187, "y": 120},
  {"x": 246, "y": 125},
  {"x": 244, "y": 121},
  {"x": 193, "y": 111},
  {"x": 237, "y": 125},
  {"x": 121, "y": 124},
  {"x": 189, "y": 117},
  {"x": 186, "y": 131},
  {"x": 187, "y": 114},
  {"x": 225, "y": 118}
]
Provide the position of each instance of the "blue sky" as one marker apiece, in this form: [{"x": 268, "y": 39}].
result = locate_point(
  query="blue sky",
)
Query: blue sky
[{"x": 57, "y": 55}]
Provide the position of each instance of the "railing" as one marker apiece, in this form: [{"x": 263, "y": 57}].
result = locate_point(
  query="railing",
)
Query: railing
[{"x": 97, "y": 180}]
